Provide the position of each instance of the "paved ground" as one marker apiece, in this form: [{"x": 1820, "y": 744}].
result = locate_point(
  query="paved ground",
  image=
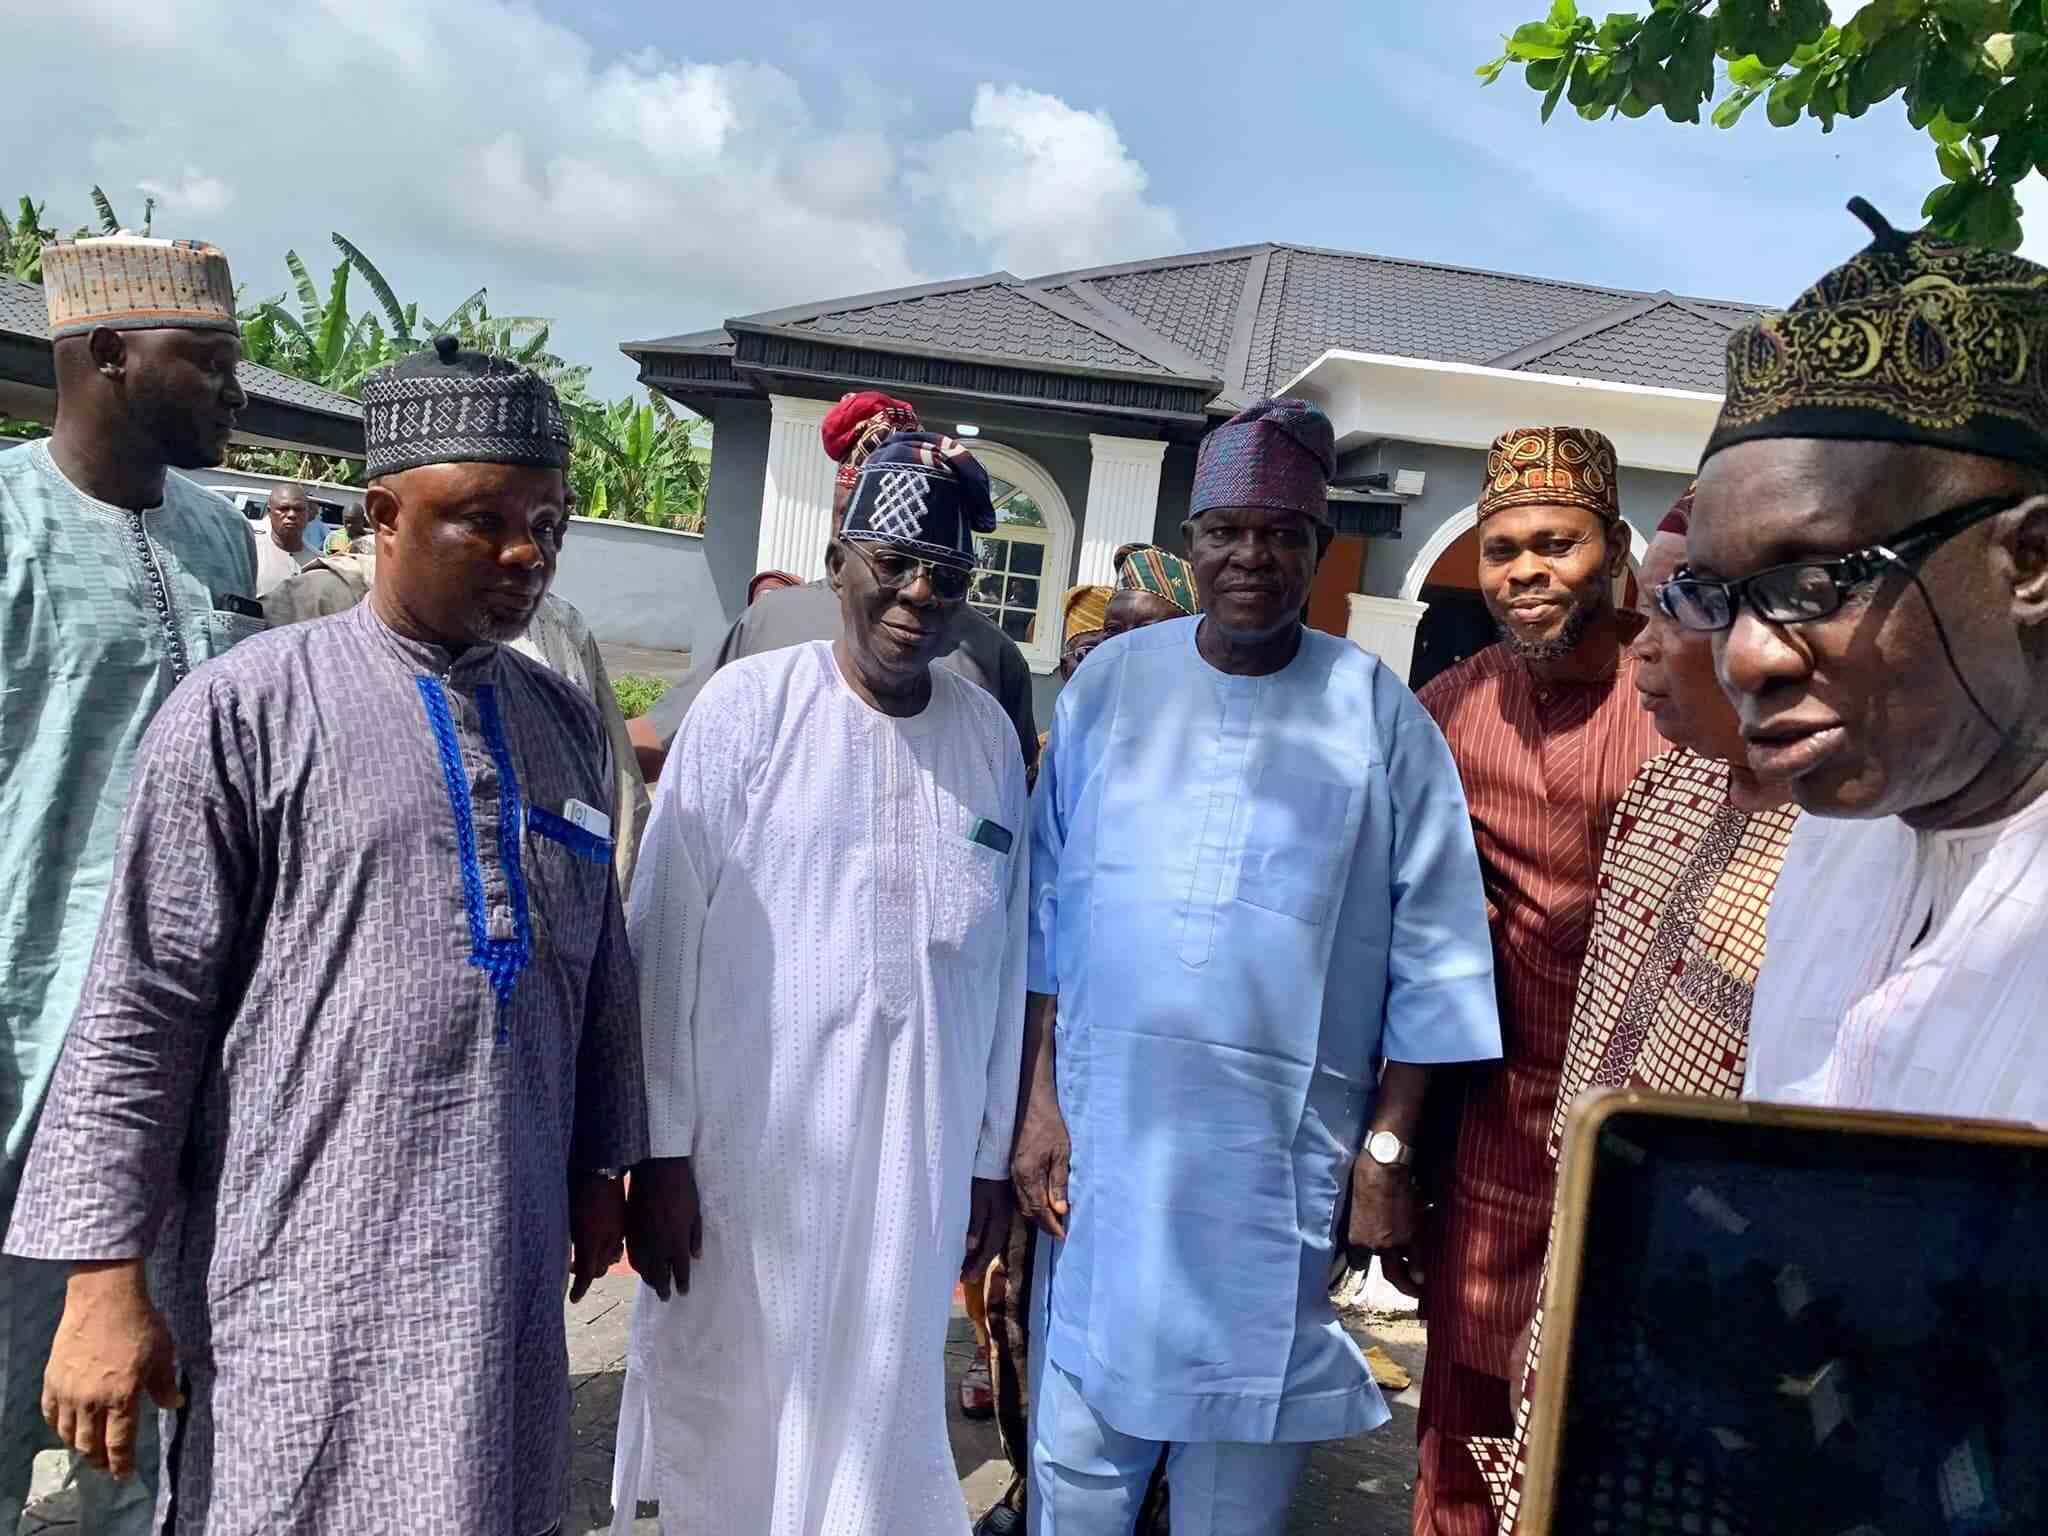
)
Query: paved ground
[
  {"x": 670, "y": 666},
  {"x": 1358, "y": 1487}
]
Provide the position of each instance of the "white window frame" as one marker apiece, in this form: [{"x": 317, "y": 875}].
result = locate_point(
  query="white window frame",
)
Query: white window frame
[{"x": 1056, "y": 569}]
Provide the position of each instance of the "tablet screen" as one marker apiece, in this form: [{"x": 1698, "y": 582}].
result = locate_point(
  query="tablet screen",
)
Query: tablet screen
[{"x": 1808, "y": 1331}]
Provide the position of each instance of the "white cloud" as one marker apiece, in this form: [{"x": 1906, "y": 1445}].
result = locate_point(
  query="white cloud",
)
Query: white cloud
[
  {"x": 1044, "y": 186},
  {"x": 474, "y": 141},
  {"x": 193, "y": 194}
]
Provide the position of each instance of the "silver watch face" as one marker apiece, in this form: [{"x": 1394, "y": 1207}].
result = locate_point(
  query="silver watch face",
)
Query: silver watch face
[{"x": 1385, "y": 1147}]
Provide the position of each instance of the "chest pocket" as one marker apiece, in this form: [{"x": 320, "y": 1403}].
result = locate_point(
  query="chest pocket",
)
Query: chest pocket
[
  {"x": 970, "y": 889},
  {"x": 219, "y": 630},
  {"x": 1294, "y": 842},
  {"x": 568, "y": 875}
]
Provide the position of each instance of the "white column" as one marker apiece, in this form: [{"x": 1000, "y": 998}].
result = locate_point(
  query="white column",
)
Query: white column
[
  {"x": 1123, "y": 501},
  {"x": 796, "y": 495},
  {"x": 1386, "y": 627}
]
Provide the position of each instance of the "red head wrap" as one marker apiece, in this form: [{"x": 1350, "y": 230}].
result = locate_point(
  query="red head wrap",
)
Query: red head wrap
[{"x": 856, "y": 426}]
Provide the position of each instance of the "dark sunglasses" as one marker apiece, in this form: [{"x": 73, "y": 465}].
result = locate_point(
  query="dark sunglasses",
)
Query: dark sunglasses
[
  {"x": 894, "y": 572},
  {"x": 1806, "y": 590}
]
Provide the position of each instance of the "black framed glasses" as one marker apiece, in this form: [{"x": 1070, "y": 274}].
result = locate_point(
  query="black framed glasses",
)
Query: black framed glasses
[
  {"x": 893, "y": 571},
  {"x": 1806, "y": 590}
]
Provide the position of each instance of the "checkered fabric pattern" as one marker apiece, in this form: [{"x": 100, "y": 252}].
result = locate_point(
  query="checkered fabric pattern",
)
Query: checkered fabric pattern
[
  {"x": 1677, "y": 943},
  {"x": 924, "y": 494}
]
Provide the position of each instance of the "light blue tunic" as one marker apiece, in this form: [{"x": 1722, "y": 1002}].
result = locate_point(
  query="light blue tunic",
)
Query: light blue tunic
[{"x": 1248, "y": 893}]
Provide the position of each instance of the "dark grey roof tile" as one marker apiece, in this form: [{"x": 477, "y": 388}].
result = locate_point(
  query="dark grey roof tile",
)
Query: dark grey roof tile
[
  {"x": 1672, "y": 346},
  {"x": 994, "y": 320},
  {"x": 1194, "y": 307}
]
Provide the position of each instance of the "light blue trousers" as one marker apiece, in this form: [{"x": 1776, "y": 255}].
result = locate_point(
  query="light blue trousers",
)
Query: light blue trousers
[
  {"x": 31, "y": 1302},
  {"x": 1088, "y": 1479}
]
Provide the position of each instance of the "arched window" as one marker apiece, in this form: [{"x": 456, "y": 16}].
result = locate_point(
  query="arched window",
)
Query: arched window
[{"x": 1027, "y": 562}]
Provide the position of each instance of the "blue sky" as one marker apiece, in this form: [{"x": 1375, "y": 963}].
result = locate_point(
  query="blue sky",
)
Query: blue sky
[{"x": 635, "y": 169}]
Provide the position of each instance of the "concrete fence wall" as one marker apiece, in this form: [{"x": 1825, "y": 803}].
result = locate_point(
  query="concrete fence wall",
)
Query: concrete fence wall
[{"x": 637, "y": 585}]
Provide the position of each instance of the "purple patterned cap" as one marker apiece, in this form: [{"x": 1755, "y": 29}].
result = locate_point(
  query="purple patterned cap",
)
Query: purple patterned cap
[{"x": 1276, "y": 453}]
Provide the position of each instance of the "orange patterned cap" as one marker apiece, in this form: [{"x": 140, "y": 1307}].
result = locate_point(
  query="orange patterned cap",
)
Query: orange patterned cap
[
  {"x": 132, "y": 283},
  {"x": 1551, "y": 467}
]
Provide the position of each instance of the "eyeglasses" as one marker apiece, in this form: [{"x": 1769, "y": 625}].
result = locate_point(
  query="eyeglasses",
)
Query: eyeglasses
[
  {"x": 1807, "y": 590},
  {"x": 894, "y": 572}
]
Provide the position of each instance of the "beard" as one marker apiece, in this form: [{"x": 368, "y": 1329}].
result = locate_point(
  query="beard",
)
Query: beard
[{"x": 1559, "y": 646}]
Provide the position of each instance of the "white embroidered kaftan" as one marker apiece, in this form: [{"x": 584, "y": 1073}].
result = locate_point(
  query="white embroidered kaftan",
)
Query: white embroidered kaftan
[
  {"x": 831, "y": 940},
  {"x": 1852, "y": 1012}
]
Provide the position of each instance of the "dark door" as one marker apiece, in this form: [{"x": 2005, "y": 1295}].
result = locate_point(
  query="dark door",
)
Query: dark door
[{"x": 1456, "y": 626}]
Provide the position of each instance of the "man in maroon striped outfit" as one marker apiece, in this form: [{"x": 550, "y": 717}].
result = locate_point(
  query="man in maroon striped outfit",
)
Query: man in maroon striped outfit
[{"x": 1547, "y": 733}]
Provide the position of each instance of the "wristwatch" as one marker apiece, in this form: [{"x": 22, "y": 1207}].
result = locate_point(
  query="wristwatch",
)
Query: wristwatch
[{"x": 1389, "y": 1150}]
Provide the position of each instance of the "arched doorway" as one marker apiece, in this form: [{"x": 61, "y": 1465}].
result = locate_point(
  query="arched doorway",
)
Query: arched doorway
[
  {"x": 1027, "y": 563},
  {"x": 1444, "y": 576}
]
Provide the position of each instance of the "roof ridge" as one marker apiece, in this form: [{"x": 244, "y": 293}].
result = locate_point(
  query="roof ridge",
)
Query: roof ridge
[
  {"x": 1152, "y": 264},
  {"x": 1543, "y": 346},
  {"x": 1516, "y": 277},
  {"x": 1092, "y": 309},
  {"x": 796, "y": 313},
  {"x": 1614, "y": 319}
]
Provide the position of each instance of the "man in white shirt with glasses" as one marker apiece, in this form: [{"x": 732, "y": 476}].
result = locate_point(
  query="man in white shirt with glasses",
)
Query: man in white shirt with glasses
[
  {"x": 1869, "y": 548},
  {"x": 829, "y": 919}
]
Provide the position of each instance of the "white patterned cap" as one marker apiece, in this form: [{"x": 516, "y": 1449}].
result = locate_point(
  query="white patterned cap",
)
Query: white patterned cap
[{"x": 448, "y": 406}]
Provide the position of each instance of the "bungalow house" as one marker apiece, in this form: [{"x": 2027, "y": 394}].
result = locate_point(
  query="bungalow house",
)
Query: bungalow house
[
  {"x": 283, "y": 412},
  {"x": 1085, "y": 394}
]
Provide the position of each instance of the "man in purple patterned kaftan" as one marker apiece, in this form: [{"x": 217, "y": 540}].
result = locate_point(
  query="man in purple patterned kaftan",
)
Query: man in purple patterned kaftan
[{"x": 357, "y": 1058}]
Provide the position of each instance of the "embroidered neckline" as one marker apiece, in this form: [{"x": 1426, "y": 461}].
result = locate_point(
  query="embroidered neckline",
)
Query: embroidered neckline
[{"x": 501, "y": 959}]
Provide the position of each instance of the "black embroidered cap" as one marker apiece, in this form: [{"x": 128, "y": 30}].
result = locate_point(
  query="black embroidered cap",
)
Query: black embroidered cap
[
  {"x": 1913, "y": 340},
  {"x": 924, "y": 493},
  {"x": 448, "y": 406}
]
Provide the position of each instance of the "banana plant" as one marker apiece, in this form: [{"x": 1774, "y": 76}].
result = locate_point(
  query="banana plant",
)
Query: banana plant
[{"x": 639, "y": 462}]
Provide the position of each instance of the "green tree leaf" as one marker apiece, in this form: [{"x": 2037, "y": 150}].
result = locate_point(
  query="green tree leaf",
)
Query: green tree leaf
[
  {"x": 1536, "y": 40},
  {"x": 1732, "y": 106},
  {"x": 1618, "y": 30},
  {"x": 1550, "y": 97},
  {"x": 1564, "y": 15},
  {"x": 2006, "y": 110}
]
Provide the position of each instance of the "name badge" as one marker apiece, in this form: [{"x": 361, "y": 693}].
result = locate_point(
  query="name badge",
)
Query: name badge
[
  {"x": 588, "y": 817},
  {"x": 990, "y": 835}
]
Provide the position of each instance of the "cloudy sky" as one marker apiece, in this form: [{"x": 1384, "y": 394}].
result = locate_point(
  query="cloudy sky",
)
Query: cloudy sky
[{"x": 637, "y": 169}]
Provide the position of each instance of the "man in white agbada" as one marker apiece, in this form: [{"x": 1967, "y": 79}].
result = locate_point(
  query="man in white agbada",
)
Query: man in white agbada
[
  {"x": 1870, "y": 545},
  {"x": 830, "y": 924}
]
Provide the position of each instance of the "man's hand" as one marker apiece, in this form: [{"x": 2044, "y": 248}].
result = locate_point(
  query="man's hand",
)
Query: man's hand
[
  {"x": 1038, "y": 1166},
  {"x": 597, "y": 1228},
  {"x": 110, "y": 1349},
  {"x": 664, "y": 1224},
  {"x": 988, "y": 1227},
  {"x": 1386, "y": 1215},
  {"x": 1385, "y": 1210}
]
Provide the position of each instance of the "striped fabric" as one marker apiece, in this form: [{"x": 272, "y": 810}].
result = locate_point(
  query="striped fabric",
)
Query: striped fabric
[{"x": 1544, "y": 765}]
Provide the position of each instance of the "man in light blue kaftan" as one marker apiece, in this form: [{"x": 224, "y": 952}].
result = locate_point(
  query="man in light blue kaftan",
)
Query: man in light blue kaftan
[
  {"x": 118, "y": 576},
  {"x": 1254, "y": 891}
]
